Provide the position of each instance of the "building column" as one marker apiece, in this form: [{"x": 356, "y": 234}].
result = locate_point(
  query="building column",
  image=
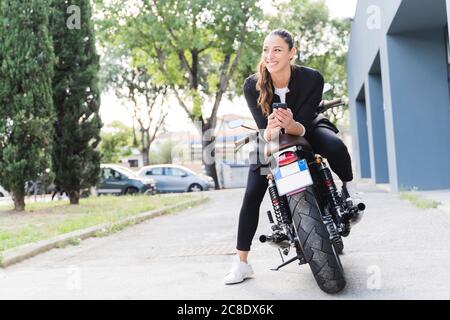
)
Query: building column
[
  {"x": 416, "y": 94},
  {"x": 376, "y": 129},
  {"x": 360, "y": 137},
  {"x": 447, "y": 4}
]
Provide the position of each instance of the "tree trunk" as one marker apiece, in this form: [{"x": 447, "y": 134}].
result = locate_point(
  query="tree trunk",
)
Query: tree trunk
[
  {"x": 210, "y": 164},
  {"x": 19, "y": 200},
  {"x": 145, "y": 147},
  {"x": 74, "y": 197},
  {"x": 145, "y": 157}
]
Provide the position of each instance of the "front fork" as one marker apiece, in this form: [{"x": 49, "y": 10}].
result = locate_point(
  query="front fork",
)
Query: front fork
[
  {"x": 283, "y": 236},
  {"x": 337, "y": 215}
]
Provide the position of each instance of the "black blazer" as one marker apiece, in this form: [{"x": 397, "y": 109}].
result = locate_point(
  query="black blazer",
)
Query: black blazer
[{"x": 305, "y": 93}]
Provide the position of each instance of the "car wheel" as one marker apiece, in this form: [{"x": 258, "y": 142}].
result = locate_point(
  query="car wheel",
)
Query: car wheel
[
  {"x": 195, "y": 188},
  {"x": 1, "y": 195},
  {"x": 131, "y": 191},
  {"x": 85, "y": 194}
]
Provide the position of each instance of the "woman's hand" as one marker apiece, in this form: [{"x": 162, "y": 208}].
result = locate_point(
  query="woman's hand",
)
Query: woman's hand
[
  {"x": 273, "y": 127},
  {"x": 284, "y": 118}
]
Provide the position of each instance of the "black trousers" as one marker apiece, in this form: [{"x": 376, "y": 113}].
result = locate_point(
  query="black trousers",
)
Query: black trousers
[{"x": 326, "y": 143}]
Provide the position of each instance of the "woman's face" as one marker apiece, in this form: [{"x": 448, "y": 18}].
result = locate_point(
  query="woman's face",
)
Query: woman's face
[{"x": 276, "y": 54}]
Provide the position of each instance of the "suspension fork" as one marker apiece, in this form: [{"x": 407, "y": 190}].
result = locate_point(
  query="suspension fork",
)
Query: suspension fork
[
  {"x": 280, "y": 207},
  {"x": 283, "y": 235}
]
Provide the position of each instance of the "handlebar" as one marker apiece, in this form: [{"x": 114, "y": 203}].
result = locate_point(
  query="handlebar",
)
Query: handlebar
[
  {"x": 323, "y": 106},
  {"x": 241, "y": 142},
  {"x": 328, "y": 104}
]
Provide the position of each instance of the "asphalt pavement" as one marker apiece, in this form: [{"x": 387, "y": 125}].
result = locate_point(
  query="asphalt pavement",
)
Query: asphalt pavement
[{"x": 396, "y": 252}]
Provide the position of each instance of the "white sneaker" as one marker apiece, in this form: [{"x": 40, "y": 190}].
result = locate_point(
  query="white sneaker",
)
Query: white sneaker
[{"x": 239, "y": 271}]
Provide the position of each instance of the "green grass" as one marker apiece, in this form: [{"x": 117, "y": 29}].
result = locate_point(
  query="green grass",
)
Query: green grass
[
  {"x": 46, "y": 220},
  {"x": 417, "y": 200}
]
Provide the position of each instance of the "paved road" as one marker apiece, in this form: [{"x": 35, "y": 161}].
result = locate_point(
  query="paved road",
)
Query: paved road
[{"x": 397, "y": 251}]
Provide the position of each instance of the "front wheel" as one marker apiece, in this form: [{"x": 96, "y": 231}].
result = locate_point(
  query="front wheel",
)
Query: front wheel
[{"x": 315, "y": 241}]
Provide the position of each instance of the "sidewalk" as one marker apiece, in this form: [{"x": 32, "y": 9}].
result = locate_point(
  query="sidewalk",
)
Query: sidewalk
[{"x": 396, "y": 252}]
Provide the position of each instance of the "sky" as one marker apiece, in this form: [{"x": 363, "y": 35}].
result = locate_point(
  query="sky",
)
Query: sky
[
  {"x": 342, "y": 8},
  {"x": 111, "y": 109}
]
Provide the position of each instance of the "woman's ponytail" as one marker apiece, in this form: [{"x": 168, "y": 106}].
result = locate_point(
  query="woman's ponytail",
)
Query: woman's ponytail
[{"x": 264, "y": 86}]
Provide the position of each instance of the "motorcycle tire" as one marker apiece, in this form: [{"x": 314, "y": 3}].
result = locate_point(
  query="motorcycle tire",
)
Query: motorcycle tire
[
  {"x": 315, "y": 241},
  {"x": 339, "y": 246}
]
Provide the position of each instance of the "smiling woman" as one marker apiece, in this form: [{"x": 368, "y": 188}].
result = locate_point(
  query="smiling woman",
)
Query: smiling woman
[{"x": 300, "y": 88}]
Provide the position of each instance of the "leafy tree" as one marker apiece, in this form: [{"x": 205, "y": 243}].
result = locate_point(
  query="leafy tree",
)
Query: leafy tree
[
  {"x": 76, "y": 96},
  {"x": 195, "y": 47},
  {"x": 116, "y": 142},
  {"x": 134, "y": 84},
  {"x": 26, "y": 107},
  {"x": 164, "y": 153},
  {"x": 321, "y": 41}
]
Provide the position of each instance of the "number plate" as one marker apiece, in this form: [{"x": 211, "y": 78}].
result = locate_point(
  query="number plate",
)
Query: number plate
[{"x": 292, "y": 177}]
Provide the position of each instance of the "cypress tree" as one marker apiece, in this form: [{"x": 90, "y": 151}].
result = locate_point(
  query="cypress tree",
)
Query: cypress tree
[
  {"x": 26, "y": 108},
  {"x": 76, "y": 97}
]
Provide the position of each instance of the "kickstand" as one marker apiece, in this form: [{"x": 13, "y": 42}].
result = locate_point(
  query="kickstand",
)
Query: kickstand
[
  {"x": 285, "y": 263},
  {"x": 281, "y": 255}
]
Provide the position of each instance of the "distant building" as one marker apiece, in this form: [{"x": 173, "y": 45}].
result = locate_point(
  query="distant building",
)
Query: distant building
[
  {"x": 133, "y": 161},
  {"x": 188, "y": 144},
  {"x": 187, "y": 151},
  {"x": 398, "y": 77}
]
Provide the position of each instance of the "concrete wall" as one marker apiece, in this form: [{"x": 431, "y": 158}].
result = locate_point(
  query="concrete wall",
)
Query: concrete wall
[
  {"x": 397, "y": 70},
  {"x": 420, "y": 110},
  {"x": 370, "y": 25}
]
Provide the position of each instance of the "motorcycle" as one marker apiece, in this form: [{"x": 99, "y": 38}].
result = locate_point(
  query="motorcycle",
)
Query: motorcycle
[{"x": 311, "y": 215}]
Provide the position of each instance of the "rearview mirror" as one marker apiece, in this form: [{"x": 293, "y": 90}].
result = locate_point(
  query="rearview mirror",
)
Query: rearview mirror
[
  {"x": 233, "y": 124},
  {"x": 327, "y": 87}
]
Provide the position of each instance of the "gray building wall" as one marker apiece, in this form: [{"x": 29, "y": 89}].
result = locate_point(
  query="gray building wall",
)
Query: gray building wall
[{"x": 399, "y": 93}]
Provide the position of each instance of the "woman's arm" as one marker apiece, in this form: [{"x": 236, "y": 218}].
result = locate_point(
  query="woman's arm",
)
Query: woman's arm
[
  {"x": 307, "y": 112},
  {"x": 296, "y": 129},
  {"x": 268, "y": 125},
  {"x": 250, "y": 95}
]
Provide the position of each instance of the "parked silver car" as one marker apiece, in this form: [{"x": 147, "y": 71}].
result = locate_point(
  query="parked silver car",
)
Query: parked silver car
[
  {"x": 3, "y": 192},
  {"x": 176, "y": 178}
]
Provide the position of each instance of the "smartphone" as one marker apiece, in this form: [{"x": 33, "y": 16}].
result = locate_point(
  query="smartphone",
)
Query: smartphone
[{"x": 277, "y": 105}]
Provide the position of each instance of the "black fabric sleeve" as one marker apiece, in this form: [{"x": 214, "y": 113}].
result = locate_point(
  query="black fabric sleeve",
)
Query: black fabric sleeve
[
  {"x": 251, "y": 96},
  {"x": 307, "y": 112}
]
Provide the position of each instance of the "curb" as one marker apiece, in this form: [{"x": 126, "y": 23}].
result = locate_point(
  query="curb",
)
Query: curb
[{"x": 15, "y": 255}]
